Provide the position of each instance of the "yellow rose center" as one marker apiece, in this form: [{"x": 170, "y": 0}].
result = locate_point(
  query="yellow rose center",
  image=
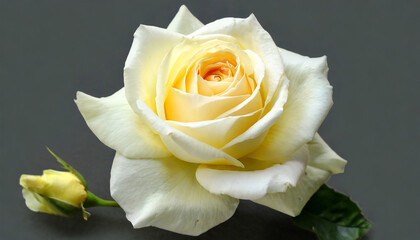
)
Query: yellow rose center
[
  {"x": 210, "y": 80},
  {"x": 217, "y": 71}
]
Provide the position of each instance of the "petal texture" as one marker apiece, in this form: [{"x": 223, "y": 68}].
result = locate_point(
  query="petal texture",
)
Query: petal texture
[
  {"x": 293, "y": 200},
  {"x": 184, "y": 22},
  {"x": 323, "y": 162},
  {"x": 198, "y": 106},
  {"x": 164, "y": 193},
  {"x": 217, "y": 132},
  {"x": 113, "y": 121},
  {"x": 183, "y": 146},
  {"x": 253, "y": 136},
  {"x": 323, "y": 157},
  {"x": 150, "y": 45},
  {"x": 38, "y": 204},
  {"x": 257, "y": 178},
  {"x": 309, "y": 100}
]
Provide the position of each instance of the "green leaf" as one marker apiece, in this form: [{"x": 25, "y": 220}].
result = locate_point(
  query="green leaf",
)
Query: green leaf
[
  {"x": 69, "y": 168},
  {"x": 333, "y": 216}
]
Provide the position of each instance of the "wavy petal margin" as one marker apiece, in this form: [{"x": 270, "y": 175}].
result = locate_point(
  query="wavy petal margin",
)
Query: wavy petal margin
[
  {"x": 323, "y": 162},
  {"x": 164, "y": 193},
  {"x": 184, "y": 22},
  {"x": 308, "y": 103},
  {"x": 183, "y": 146},
  {"x": 114, "y": 123},
  {"x": 257, "y": 179}
]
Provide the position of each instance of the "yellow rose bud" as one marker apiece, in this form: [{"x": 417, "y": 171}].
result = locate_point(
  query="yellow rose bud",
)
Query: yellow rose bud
[{"x": 55, "y": 192}]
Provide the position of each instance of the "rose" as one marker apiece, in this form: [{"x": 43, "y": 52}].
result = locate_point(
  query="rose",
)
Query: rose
[
  {"x": 55, "y": 192},
  {"x": 210, "y": 114}
]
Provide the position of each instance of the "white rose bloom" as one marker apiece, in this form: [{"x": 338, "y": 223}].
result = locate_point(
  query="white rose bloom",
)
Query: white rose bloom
[{"x": 210, "y": 114}]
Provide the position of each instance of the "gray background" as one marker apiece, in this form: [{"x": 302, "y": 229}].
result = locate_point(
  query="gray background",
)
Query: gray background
[{"x": 51, "y": 49}]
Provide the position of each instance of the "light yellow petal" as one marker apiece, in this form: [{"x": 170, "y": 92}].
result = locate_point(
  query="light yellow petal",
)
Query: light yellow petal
[
  {"x": 323, "y": 162},
  {"x": 251, "y": 36},
  {"x": 294, "y": 199},
  {"x": 164, "y": 193},
  {"x": 257, "y": 179},
  {"x": 254, "y": 136},
  {"x": 183, "y": 146},
  {"x": 187, "y": 107},
  {"x": 150, "y": 46},
  {"x": 184, "y": 22},
  {"x": 217, "y": 132},
  {"x": 37, "y": 203},
  {"x": 241, "y": 87},
  {"x": 255, "y": 100},
  {"x": 323, "y": 157},
  {"x": 113, "y": 121},
  {"x": 177, "y": 68},
  {"x": 216, "y": 87},
  {"x": 310, "y": 98}
]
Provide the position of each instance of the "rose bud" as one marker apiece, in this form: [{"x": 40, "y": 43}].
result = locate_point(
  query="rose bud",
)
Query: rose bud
[
  {"x": 60, "y": 193},
  {"x": 55, "y": 192}
]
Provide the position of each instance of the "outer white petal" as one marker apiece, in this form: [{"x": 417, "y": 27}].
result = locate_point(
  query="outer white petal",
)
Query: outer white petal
[
  {"x": 38, "y": 204},
  {"x": 257, "y": 179},
  {"x": 309, "y": 100},
  {"x": 323, "y": 162},
  {"x": 293, "y": 200},
  {"x": 150, "y": 45},
  {"x": 184, "y": 22},
  {"x": 113, "y": 121},
  {"x": 183, "y": 146},
  {"x": 164, "y": 193},
  {"x": 32, "y": 201},
  {"x": 323, "y": 157}
]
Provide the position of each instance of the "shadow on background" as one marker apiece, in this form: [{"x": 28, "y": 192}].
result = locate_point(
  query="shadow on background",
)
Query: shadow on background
[{"x": 251, "y": 220}]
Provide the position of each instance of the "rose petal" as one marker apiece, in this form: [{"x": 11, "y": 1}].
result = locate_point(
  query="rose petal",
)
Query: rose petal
[
  {"x": 252, "y": 138},
  {"x": 256, "y": 179},
  {"x": 238, "y": 86},
  {"x": 183, "y": 146},
  {"x": 150, "y": 45},
  {"x": 217, "y": 132},
  {"x": 186, "y": 107},
  {"x": 164, "y": 193},
  {"x": 37, "y": 203},
  {"x": 310, "y": 98},
  {"x": 323, "y": 157},
  {"x": 294, "y": 199},
  {"x": 184, "y": 22},
  {"x": 323, "y": 162},
  {"x": 113, "y": 121},
  {"x": 207, "y": 88},
  {"x": 255, "y": 101}
]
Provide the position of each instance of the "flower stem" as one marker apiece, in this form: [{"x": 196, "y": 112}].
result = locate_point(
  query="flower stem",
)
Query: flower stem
[{"x": 93, "y": 201}]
